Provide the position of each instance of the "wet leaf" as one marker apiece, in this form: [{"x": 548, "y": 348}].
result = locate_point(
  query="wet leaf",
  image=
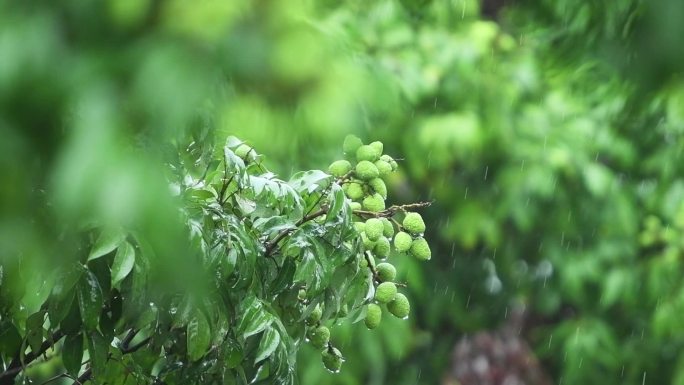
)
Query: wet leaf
[
  {"x": 108, "y": 240},
  {"x": 124, "y": 260},
  {"x": 268, "y": 345},
  {"x": 90, "y": 300},
  {"x": 72, "y": 353},
  {"x": 198, "y": 336}
]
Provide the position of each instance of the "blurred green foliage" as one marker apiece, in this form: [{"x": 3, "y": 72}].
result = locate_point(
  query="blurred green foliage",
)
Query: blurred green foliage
[{"x": 550, "y": 140}]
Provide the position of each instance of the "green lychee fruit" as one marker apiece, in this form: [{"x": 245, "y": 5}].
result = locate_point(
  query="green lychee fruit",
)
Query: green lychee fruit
[
  {"x": 339, "y": 168},
  {"x": 413, "y": 223},
  {"x": 373, "y": 316},
  {"x": 368, "y": 244},
  {"x": 387, "y": 228},
  {"x": 366, "y": 153},
  {"x": 366, "y": 170},
  {"x": 344, "y": 311},
  {"x": 383, "y": 167},
  {"x": 332, "y": 359},
  {"x": 244, "y": 151},
  {"x": 315, "y": 315},
  {"x": 402, "y": 242},
  {"x": 382, "y": 248},
  {"x": 319, "y": 337},
  {"x": 378, "y": 147},
  {"x": 378, "y": 185},
  {"x": 374, "y": 203},
  {"x": 360, "y": 226},
  {"x": 385, "y": 292},
  {"x": 355, "y": 191},
  {"x": 351, "y": 144},
  {"x": 386, "y": 272},
  {"x": 355, "y": 206},
  {"x": 374, "y": 229},
  {"x": 420, "y": 249},
  {"x": 400, "y": 306}
]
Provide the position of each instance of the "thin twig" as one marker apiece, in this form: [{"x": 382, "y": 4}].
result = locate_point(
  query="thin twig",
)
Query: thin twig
[
  {"x": 390, "y": 211},
  {"x": 17, "y": 365},
  {"x": 270, "y": 248},
  {"x": 89, "y": 372}
]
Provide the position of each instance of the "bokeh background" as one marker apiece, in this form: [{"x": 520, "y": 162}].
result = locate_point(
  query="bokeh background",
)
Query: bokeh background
[{"x": 548, "y": 133}]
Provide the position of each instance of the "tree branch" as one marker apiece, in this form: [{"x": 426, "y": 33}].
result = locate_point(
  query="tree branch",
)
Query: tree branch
[
  {"x": 270, "y": 248},
  {"x": 125, "y": 350},
  {"x": 17, "y": 365},
  {"x": 390, "y": 211}
]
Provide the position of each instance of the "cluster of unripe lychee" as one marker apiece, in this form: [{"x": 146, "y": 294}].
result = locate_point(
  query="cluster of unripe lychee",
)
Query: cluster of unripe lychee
[
  {"x": 363, "y": 168},
  {"x": 361, "y": 174},
  {"x": 319, "y": 337},
  {"x": 409, "y": 239}
]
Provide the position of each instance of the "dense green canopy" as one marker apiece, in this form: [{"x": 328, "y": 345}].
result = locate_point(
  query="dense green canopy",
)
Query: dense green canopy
[{"x": 548, "y": 136}]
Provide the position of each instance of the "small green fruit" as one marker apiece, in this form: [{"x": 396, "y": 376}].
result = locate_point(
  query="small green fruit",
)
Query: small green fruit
[
  {"x": 355, "y": 206},
  {"x": 315, "y": 315},
  {"x": 373, "y": 316},
  {"x": 368, "y": 244},
  {"x": 420, "y": 249},
  {"x": 332, "y": 359},
  {"x": 374, "y": 229},
  {"x": 351, "y": 144},
  {"x": 319, "y": 337},
  {"x": 383, "y": 167},
  {"x": 244, "y": 151},
  {"x": 382, "y": 248},
  {"x": 400, "y": 306},
  {"x": 378, "y": 185},
  {"x": 360, "y": 226},
  {"x": 402, "y": 242},
  {"x": 374, "y": 203},
  {"x": 387, "y": 228},
  {"x": 392, "y": 162},
  {"x": 340, "y": 168},
  {"x": 413, "y": 223},
  {"x": 366, "y": 153},
  {"x": 385, "y": 292},
  {"x": 355, "y": 191},
  {"x": 386, "y": 272},
  {"x": 366, "y": 170},
  {"x": 378, "y": 147},
  {"x": 344, "y": 311}
]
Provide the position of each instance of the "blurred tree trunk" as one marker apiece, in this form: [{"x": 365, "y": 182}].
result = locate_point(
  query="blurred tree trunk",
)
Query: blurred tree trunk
[{"x": 498, "y": 357}]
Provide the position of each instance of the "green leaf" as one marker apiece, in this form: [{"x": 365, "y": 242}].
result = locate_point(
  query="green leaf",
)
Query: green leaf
[
  {"x": 98, "y": 349},
  {"x": 71, "y": 323},
  {"x": 123, "y": 262},
  {"x": 34, "y": 330},
  {"x": 255, "y": 318},
  {"x": 58, "y": 307},
  {"x": 336, "y": 202},
  {"x": 108, "y": 240},
  {"x": 10, "y": 339},
  {"x": 309, "y": 181},
  {"x": 90, "y": 300},
  {"x": 72, "y": 354},
  {"x": 67, "y": 277},
  {"x": 198, "y": 336},
  {"x": 268, "y": 345}
]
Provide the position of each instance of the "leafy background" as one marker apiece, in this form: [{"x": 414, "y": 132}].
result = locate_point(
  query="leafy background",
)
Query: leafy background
[{"x": 548, "y": 133}]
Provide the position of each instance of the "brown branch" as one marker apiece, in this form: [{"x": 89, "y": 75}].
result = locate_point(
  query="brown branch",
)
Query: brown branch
[
  {"x": 17, "y": 365},
  {"x": 390, "y": 211},
  {"x": 85, "y": 376},
  {"x": 270, "y": 248}
]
